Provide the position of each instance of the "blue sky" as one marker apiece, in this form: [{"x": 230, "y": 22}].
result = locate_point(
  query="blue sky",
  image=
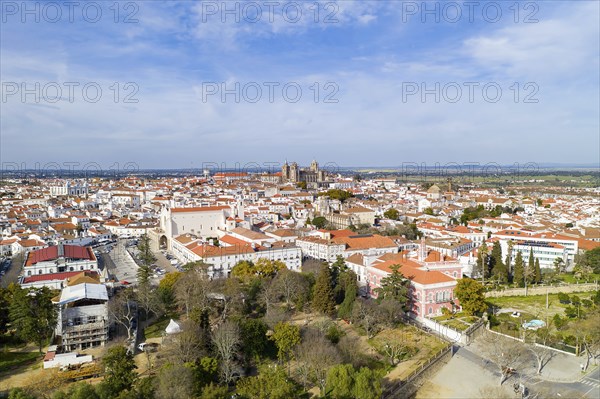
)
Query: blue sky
[{"x": 370, "y": 53}]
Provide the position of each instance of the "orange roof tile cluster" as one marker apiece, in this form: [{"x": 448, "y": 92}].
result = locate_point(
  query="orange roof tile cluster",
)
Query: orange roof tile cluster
[{"x": 365, "y": 241}]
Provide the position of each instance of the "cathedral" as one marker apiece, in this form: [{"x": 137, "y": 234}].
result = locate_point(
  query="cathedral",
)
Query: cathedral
[{"x": 292, "y": 173}]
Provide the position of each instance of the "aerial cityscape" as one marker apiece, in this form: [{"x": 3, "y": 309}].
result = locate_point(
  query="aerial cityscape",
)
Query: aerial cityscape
[{"x": 299, "y": 199}]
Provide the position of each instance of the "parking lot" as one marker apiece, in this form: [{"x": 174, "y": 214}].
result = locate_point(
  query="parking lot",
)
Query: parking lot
[
  {"x": 120, "y": 264},
  {"x": 4, "y": 266},
  {"x": 9, "y": 270}
]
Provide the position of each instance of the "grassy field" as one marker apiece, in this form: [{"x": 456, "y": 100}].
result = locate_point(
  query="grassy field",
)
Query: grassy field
[
  {"x": 535, "y": 305},
  {"x": 156, "y": 329},
  {"x": 422, "y": 347},
  {"x": 10, "y": 360}
]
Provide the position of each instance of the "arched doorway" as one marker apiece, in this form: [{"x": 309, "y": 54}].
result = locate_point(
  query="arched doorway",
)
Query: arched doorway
[{"x": 162, "y": 242}]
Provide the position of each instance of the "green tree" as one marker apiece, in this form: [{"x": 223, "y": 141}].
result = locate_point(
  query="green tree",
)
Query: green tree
[
  {"x": 590, "y": 259},
  {"x": 482, "y": 266},
  {"x": 350, "y": 293},
  {"x": 470, "y": 293},
  {"x": 145, "y": 251},
  {"x": 5, "y": 300},
  {"x": 270, "y": 383},
  {"x": 340, "y": 382},
  {"x": 499, "y": 269},
  {"x": 80, "y": 390},
  {"x": 166, "y": 289},
  {"x": 243, "y": 270},
  {"x": 246, "y": 270},
  {"x": 367, "y": 384},
  {"x": 20, "y": 393},
  {"x": 337, "y": 194},
  {"x": 529, "y": 273},
  {"x": 319, "y": 222},
  {"x": 268, "y": 268},
  {"x": 519, "y": 272},
  {"x": 119, "y": 370},
  {"x": 394, "y": 286},
  {"x": 509, "y": 258},
  {"x": 323, "y": 297},
  {"x": 214, "y": 391},
  {"x": 255, "y": 342},
  {"x": 537, "y": 275},
  {"x": 428, "y": 211},
  {"x": 391, "y": 213},
  {"x": 33, "y": 314},
  {"x": 146, "y": 294},
  {"x": 286, "y": 336}
]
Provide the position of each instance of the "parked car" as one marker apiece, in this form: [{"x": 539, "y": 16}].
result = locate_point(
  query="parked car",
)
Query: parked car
[{"x": 150, "y": 346}]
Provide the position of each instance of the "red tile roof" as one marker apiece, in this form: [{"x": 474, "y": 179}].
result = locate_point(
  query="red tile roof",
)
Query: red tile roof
[
  {"x": 51, "y": 277},
  {"x": 51, "y": 253}
]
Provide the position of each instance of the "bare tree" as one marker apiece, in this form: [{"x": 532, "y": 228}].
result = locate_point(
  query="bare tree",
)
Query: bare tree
[
  {"x": 539, "y": 347},
  {"x": 226, "y": 339},
  {"x": 315, "y": 355},
  {"x": 391, "y": 312},
  {"x": 347, "y": 348},
  {"x": 313, "y": 266},
  {"x": 269, "y": 296},
  {"x": 588, "y": 333},
  {"x": 122, "y": 308},
  {"x": 366, "y": 314},
  {"x": 191, "y": 291},
  {"x": 394, "y": 350},
  {"x": 148, "y": 299},
  {"x": 175, "y": 381},
  {"x": 505, "y": 353},
  {"x": 290, "y": 285},
  {"x": 186, "y": 346}
]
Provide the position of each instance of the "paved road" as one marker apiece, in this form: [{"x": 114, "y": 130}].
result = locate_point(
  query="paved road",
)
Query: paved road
[{"x": 586, "y": 387}]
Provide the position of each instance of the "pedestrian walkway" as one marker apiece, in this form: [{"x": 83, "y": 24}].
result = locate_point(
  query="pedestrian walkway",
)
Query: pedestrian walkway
[{"x": 591, "y": 383}]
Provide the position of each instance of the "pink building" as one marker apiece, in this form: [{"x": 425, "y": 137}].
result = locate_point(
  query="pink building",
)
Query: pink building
[{"x": 433, "y": 279}]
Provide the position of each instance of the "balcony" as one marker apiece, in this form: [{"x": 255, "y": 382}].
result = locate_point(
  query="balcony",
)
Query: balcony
[{"x": 101, "y": 325}]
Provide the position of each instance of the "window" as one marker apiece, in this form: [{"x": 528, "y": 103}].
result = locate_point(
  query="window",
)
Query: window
[{"x": 430, "y": 310}]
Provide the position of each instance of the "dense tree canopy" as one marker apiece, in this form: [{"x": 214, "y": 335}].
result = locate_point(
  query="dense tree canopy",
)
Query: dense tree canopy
[
  {"x": 32, "y": 313},
  {"x": 391, "y": 213},
  {"x": 470, "y": 293}
]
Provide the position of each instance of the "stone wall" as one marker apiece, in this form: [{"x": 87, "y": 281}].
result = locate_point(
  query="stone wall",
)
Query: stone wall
[{"x": 541, "y": 290}]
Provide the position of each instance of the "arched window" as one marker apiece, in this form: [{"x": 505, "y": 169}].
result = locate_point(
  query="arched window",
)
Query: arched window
[
  {"x": 454, "y": 274},
  {"x": 430, "y": 310}
]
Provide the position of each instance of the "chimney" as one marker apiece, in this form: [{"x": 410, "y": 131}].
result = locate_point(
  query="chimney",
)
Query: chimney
[{"x": 422, "y": 250}]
